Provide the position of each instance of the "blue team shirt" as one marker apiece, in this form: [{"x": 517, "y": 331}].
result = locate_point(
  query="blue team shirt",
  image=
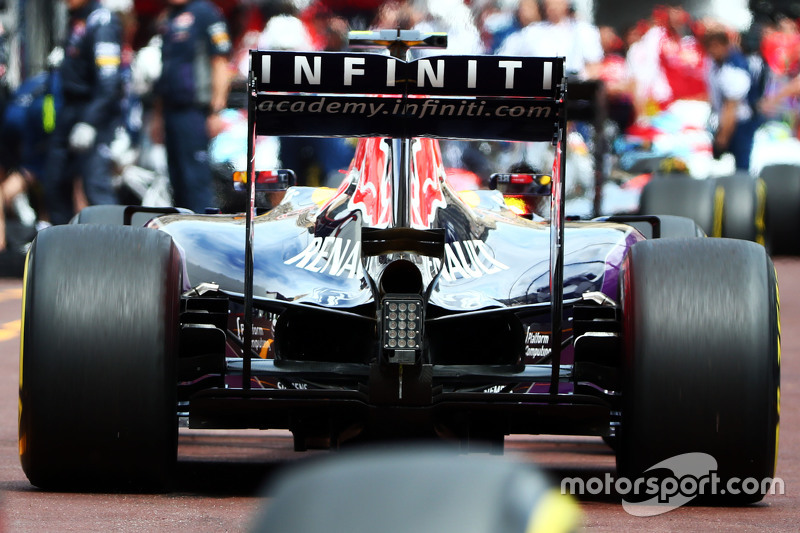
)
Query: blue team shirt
[
  {"x": 192, "y": 34},
  {"x": 90, "y": 71},
  {"x": 731, "y": 80}
]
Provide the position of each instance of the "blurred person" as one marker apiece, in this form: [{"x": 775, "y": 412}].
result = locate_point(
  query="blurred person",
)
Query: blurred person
[
  {"x": 91, "y": 86},
  {"x": 25, "y": 130},
  {"x": 616, "y": 78},
  {"x": 560, "y": 34},
  {"x": 396, "y": 14},
  {"x": 281, "y": 32},
  {"x": 5, "y": 89},
  {"x": 750, "y": 43},
  {"x": 131, "y": 104},
  {"x": 357, "y": 14},
  {"x": 729, "y": 83},
  {"x": 192, "y": 89},
  {"x": 649, "y": 82},
  {"x": 780, "y": 48},
  {"x": 251, "y": 19},
  {"x": 669, "y": 63},
  {"x": 504, "y": 23},
  {"x": 315, "y": 160},
  {"x": 453, "y": 17},
  {"x": 328, "y": 30},
  {"x": 779, "y": 101},
  {"x": 456, "y": 19}
]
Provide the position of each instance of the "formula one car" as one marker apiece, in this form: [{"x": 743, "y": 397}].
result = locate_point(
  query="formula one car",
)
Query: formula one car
[{"x": 394, "y": 307}]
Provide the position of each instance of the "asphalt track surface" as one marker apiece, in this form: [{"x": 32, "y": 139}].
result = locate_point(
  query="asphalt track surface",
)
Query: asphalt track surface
[{"x": 223, "y": 473}]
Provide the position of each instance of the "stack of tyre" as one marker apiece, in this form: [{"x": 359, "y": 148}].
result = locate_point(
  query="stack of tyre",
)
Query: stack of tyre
[
  {"x": 783, "y": 208},
  {"x": 763, "y": 209}
]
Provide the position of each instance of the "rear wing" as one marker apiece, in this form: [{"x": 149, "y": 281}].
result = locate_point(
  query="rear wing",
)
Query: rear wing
[
  {"x": 352, "y": 94},
  {"x": 358, "y": 94}
]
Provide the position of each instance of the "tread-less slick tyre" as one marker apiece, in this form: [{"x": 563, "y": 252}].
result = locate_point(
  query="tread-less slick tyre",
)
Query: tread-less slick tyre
[
  {"x": 97, "y": 363},
  {"x": 702, "y": 359},
  {"x": 783, "y": 208},
  {"x": 683, "y": 196}
]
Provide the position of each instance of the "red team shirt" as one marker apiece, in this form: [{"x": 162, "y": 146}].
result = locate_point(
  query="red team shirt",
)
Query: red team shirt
[{"x": 682, "y": 60}]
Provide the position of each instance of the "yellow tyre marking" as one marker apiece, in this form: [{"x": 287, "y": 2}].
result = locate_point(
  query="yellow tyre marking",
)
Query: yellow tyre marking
[
  {"x": 555, "y": 512},
  {"x": 22, "y": 439},
  {"x": 761, "y": 209},
  {"x": 719, "y": 205}
]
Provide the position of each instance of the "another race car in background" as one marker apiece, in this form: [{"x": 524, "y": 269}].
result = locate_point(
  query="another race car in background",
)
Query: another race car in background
[
  {"x": 393, "y": 306},
  {"x": 667, "y": 168}
]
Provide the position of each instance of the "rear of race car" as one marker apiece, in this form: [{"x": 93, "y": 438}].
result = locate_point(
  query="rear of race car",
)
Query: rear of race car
[
  {"x": 402, "y": 352},
  {"x": 397, "y": 307}
]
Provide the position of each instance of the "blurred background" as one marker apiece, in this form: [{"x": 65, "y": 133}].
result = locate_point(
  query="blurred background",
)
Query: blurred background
[{"x": 34, "y": 27}]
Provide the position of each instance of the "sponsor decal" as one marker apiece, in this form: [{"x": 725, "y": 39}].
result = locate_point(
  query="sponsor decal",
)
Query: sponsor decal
[
  {"x": 469, "y": 259},
  {"x": 294, "y": 385},
  {"x": 303, "y": 92},
  {"x": 464, "y": 260},
  {"x": 459, "y": 108},
  {"x": 331, "y": 255},
  {"x": 468, "y": 75},
  {"x": 338, "y": 256},
  {"x": 262, "y": 332},
  {"x": 537, "y": 344}
]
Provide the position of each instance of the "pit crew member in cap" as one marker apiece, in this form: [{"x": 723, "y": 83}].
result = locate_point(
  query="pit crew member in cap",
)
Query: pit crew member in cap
[
  {"x": 91, "y": 84},
  {"x": 192, "y": 89}
]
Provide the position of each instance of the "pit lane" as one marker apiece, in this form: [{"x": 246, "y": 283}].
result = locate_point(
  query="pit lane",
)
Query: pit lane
[{"x": 222, "y": 473}]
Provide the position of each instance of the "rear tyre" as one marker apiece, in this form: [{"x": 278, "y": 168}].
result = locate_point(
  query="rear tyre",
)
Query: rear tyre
[
  {"x": 98, "y": 360},
  {"x": 686, "y": 197},
  {"x": 743, "y": 208},
  {"x": 783, "y": 208},
  {"x": 702, "y": 359}
]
